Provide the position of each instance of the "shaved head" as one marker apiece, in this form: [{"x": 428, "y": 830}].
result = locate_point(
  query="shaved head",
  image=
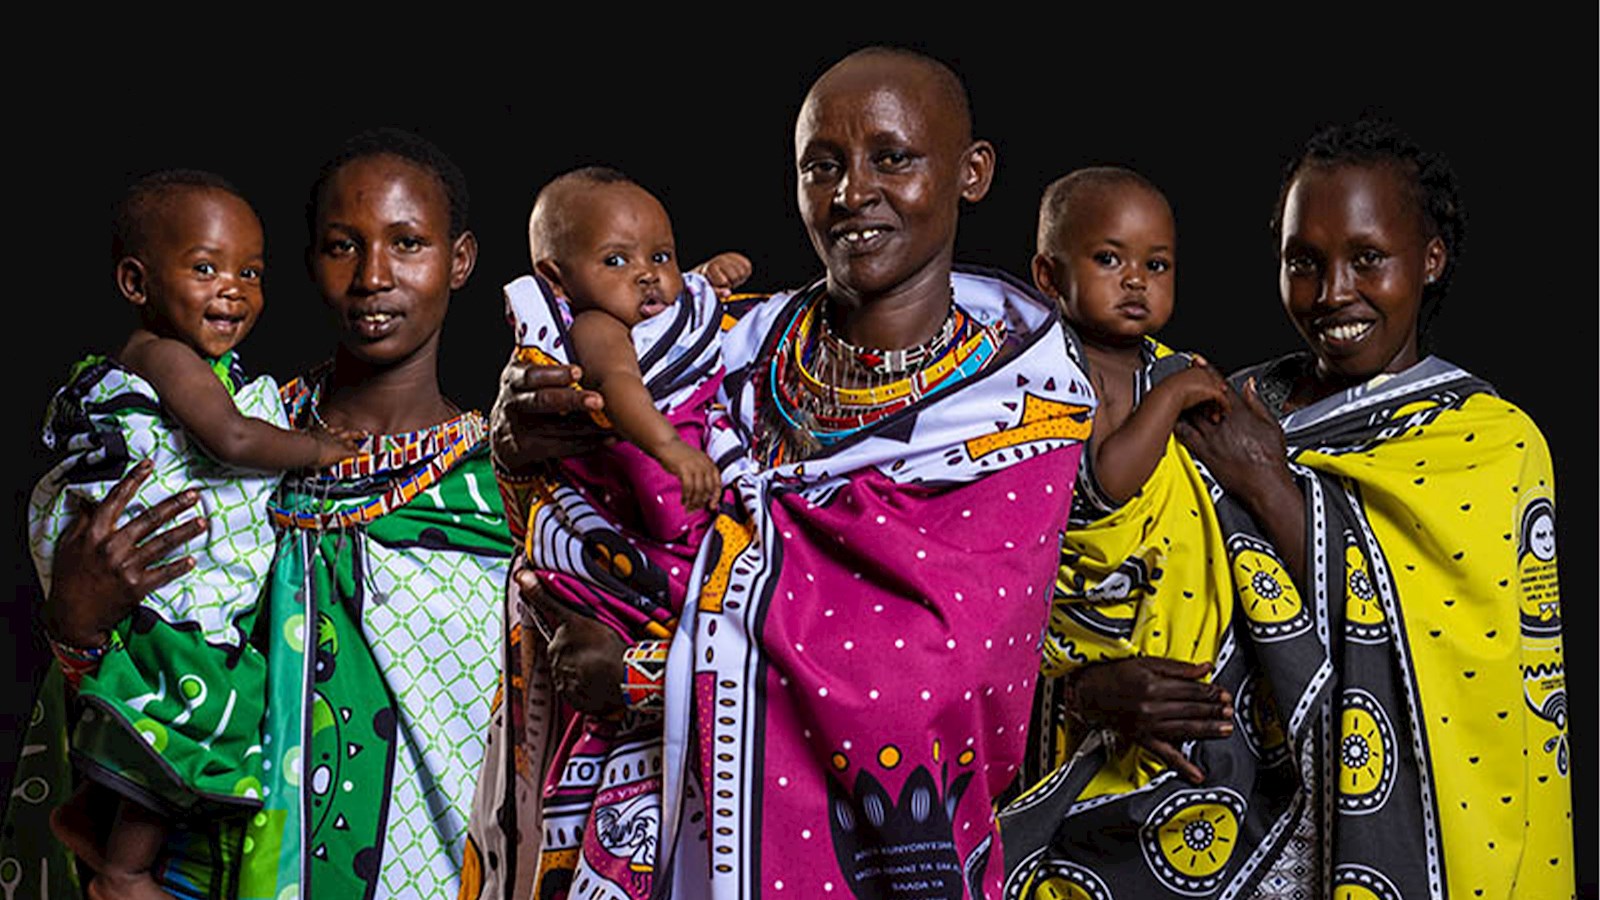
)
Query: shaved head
[
  {"x": 1057, "y": 204},
  {"x": 901, "y": 66},
  {"x": 551, "y": 224}
]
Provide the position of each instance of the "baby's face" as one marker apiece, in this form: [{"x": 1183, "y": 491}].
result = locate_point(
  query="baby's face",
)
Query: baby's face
[
  {"x": 620, "y": 256},
  {"x": 202, "y": 264},
  {"x": 1113, "y": 264}
]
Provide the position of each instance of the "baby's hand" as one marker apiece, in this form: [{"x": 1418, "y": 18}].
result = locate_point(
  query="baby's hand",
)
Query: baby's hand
[
  {"x": 335, "y": 444},
  {"x": 702, "y": 482},
  {"x": 1198, "y": 385},
  {"x": 726, "y": 271}
]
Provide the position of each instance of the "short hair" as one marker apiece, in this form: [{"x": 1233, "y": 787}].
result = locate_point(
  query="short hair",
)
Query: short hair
[
  {"x": 406, "y": 145},
  {"x": 1431, "y": 186},
  {"x": 547, "y": 231},
  {"x": 131, "y": 213},
  {"x": 947, "y": 82},
  {"x": 1057, "y": 203}
]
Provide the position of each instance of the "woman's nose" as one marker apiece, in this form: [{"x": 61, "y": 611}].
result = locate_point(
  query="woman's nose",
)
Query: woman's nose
[
  {"x": 375, "y": 273},
  {"x": 857, "y": 187},
  {"x": 1338, "y": 285}
]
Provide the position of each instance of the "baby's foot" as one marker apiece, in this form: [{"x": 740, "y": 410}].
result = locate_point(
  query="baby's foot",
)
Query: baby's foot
[
  {"x": 126, "y": 886},
  {"x": 73, "y": 824}
]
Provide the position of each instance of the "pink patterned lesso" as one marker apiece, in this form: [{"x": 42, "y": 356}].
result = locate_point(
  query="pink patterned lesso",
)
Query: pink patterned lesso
[{"x": 850, "y": 691}]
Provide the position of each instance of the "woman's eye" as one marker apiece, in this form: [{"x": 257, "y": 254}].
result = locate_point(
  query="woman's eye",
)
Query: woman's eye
[
  {"x": 1106, "y": 258},
  {"x": 661, "y": 257},
  {"x": 1366, "y": 259},
  {"x": 409, "y": 243},
  {"x": 339, "y": 247},
  {"x": 205, "y": 268},
  {"x": 819, "y": 168},
  {"x": 1300, "y": 265},
  {"x": 614, "y": 260},
  {"x": 894, "y": 159}
]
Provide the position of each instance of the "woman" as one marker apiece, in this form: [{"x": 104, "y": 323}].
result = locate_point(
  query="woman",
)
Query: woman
[
  {"x": 381, "y": 625},
  {"x": 848, "y": 696},
  {"x": 1399, "y": 671}
]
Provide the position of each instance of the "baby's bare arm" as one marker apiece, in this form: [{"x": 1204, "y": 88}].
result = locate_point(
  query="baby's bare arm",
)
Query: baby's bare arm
[
  {"x": 1125, "y": 457},
  {"x": 191, "y": 393},
  {"x": 610, "y": 366},
  {"x": 605, "y": 350}
]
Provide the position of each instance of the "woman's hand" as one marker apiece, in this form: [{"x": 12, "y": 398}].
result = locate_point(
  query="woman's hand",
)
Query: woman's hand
[
  {"x": 101, "y": 572},
  {"x": 585, "y": 655},
  {"x": 1156, "y": 703},
  {"x": 532, "y": 419},
  {"x": 1243, "y": 449}
]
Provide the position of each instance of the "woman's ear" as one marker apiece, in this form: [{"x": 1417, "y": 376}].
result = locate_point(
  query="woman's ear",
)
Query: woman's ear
[
  {"x": 130, "y": 276},
  {"x": 978, "y": 171},
  {"x": 463, "y": 259},
  {"x": 1435, "y": 256}
]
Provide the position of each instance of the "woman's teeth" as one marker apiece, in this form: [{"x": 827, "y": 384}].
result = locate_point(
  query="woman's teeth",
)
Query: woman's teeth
[
  {"x": 375, "y": 318},
  {"x": 1347, "y": 331},
  {"x": 856, "y": 237}
]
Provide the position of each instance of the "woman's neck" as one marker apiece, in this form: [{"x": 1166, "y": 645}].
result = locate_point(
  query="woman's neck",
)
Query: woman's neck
[
  {"x": 904, "y": 316},
  {"x": 385, "y": 399}
]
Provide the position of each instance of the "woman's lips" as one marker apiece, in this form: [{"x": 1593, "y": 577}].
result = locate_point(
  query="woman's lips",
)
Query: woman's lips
[
  {"x": 860, "y": 239},
  {"x": 376, "y": 324}
]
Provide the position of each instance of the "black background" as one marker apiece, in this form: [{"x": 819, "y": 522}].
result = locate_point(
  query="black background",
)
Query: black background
[{"x": 1209, "y": 114}]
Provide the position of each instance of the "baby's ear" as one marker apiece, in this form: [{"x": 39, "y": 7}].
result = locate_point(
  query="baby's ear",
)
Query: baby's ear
[
  {"x": 550, "y": 271},
  {"x": 1044, "y": 276},
  {"x": 130, "y": 277}
]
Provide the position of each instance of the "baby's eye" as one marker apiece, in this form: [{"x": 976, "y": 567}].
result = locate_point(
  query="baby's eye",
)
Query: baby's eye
[
  {"x": 250, "y": 273},
  {"x": 205, "y": 268},
  {"x": 661, "y": 257},
  {"x": 1106, "y": 258},
  {"x": 614, "y": 260},
  {"x": 1158, "y": 265}
]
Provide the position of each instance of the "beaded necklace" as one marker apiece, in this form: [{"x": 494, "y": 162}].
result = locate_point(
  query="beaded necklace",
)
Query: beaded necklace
[
  {"x": 809, "y": 405},
  {"x": 442, "y": 445}
]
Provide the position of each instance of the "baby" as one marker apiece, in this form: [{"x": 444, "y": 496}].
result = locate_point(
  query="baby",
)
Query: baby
[
  {"x": 188, "y": 255},
  {"x": 612, "y": 534},
  {"x": 605, "y": 246},
  {"x": 1143, "y": 571}
]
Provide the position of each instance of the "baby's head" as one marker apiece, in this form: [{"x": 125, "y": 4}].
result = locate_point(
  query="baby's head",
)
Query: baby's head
[
  {"x": 603, "y": 242},
  {"x": 188, "y": 253},
  {"x": 1107, "y": 245}
]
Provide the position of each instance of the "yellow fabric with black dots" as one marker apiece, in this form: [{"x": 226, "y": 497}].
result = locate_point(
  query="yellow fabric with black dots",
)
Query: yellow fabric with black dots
[
  {"x": 1463, "y": 509},
  {"x": 1154, "y": 570}
]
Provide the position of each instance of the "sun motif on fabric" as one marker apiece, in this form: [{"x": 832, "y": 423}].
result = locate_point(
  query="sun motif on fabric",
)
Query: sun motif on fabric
[
  {"x": 1273, "y": 608},
  {"x": 1063, "y": 880},
  {"x": 1268, "y": 593},
  {"x": 1256, "y": 715},
  {"x": 1366, "y": 754},
  {"x": 1352, "y": 881},
  {"x": 1190, "y": 838},
  {"x": 1364, "y": 618}
]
